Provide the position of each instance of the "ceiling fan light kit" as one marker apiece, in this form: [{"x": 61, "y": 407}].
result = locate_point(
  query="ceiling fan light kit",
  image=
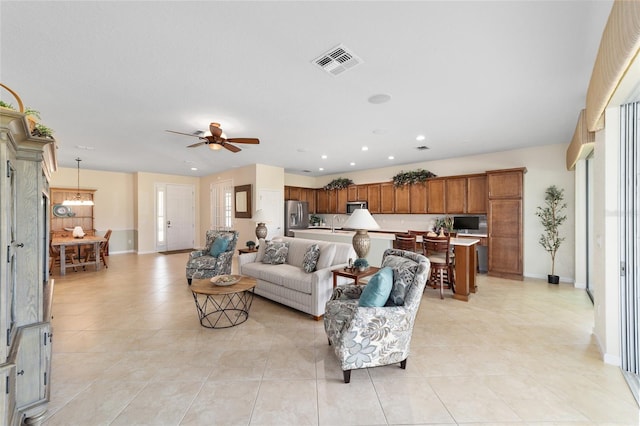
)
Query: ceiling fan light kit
[{"x": 217, "y": 140}]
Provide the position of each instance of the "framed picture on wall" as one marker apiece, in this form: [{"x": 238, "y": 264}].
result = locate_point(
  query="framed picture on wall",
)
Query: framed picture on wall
[{"x": 243, "y": 201}]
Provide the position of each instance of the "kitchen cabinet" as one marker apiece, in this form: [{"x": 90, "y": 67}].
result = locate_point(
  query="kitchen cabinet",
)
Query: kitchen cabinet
[
  {"x": 505, "y": 222},
  {"x": 477, "y": 194},
  {"x": 403, "y": 199},
  {"x": 362, "y": 192},
  {"x": 26, "y": 164},
  {"x": 341, "y": 199},
  {"x": 387, "y": 198},
  {"x": 456, "y": 195},
  {"x": 322, "y": 201},
  {"x": 373, "y": 198},
  {"x": 436, "y": 196},
  {"x": 352, "y": 193},
  {"x": 294, "y": 193},
  {"x": 309, "y": 195},
  {"x": 418, "y": 198}
]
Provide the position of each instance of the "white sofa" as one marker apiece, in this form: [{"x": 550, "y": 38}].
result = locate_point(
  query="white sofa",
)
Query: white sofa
[{"x": 288, "y": 283}]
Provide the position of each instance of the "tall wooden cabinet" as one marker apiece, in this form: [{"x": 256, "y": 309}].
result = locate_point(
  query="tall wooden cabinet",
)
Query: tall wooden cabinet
[
  {"x": 505, "y": 222},
  {"x": 26, "y": 163}
]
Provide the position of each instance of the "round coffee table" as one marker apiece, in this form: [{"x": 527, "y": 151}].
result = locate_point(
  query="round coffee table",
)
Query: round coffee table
[{"x": 223, "y": 306}]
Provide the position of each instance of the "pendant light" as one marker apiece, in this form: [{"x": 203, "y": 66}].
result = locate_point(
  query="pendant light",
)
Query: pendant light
[{"x": 77, "y": 200}]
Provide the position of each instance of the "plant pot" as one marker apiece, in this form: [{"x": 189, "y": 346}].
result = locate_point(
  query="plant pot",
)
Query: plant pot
[{"x": 553, "y": 279}]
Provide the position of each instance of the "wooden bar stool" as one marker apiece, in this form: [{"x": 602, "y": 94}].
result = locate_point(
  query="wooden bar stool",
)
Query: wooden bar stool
[{"x": 436, "y": 249}]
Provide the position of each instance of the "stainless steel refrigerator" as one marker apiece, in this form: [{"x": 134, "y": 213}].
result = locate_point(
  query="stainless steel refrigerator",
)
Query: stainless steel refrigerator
[{"x": 296, "y": 216}]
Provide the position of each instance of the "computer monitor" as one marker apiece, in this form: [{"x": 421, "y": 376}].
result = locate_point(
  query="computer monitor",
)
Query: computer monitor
[{"x": 466, "y": 222}]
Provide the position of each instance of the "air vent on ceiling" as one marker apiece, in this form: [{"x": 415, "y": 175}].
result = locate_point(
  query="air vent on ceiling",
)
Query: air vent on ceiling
[
  {"x": 337, "y": 60},
  {"x": 422, "y": 148}
]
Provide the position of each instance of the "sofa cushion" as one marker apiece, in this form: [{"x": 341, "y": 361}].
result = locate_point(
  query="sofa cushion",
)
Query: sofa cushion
[
  {"x": 219, "y": 246},
  {"x": 311, "y": 258},
  {"x": 288, "y": 276},
  {"x": 276, "y": 252},
  {"x": 261, "y": 247},
  {"x": 404, "y": 271},
  {"x": 378, "y": 289},
  {"x": 327, "y": 254}
]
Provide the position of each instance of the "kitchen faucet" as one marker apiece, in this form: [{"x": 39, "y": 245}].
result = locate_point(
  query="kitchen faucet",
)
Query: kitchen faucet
[{"x": 333, "y": 218}]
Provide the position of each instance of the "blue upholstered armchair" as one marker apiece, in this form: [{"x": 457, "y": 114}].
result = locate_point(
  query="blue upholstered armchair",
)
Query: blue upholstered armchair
[
  {"x": 365, "y": 337},
  {"x": 216, "y": 257}
]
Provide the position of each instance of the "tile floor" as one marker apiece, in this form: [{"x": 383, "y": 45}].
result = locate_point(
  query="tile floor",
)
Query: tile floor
[{"x": 128, "y": 349}]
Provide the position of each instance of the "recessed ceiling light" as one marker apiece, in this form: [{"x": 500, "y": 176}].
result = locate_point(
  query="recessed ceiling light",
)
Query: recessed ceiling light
[
  {"x": 391, "y": 157},
  {"x": 321, "y": 168},
  {"x": 352, "y": 163},
  {"x": 194, "y": 168},
  {"x": 379, "y": 98},
  {"x": 324, "y": 157},
  {"x": 420, "y": 138},
  {"x": 365, "y": 148}
]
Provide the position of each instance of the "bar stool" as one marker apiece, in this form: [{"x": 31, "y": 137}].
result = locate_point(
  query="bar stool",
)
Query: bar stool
[{"x": 436, "y": 249}]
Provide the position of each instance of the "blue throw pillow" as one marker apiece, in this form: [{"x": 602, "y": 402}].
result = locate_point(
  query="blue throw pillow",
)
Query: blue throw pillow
[
  {"x": 219, "y": 246},
  {"x": 377, "y": 291}
]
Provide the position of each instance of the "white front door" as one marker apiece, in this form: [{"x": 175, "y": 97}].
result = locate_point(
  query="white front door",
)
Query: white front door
[{"x": 180, "y": 218}]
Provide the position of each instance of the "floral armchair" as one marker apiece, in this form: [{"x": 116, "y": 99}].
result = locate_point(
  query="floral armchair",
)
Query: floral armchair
[
  {"x": 202, "y": 264},
  {"x": 365, "y": 337}
]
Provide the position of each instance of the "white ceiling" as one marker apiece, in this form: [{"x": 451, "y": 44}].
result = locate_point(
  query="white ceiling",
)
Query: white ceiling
[{"x": 472, "y": 77}]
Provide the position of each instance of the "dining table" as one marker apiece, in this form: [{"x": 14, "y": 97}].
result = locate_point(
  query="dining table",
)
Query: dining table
[{"x": 70, "y": 242}]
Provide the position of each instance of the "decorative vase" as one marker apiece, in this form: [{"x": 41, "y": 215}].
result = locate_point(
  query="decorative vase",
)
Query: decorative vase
[
  {"x": 261, "y": 230},
  {"x": 78, "y": 232}
]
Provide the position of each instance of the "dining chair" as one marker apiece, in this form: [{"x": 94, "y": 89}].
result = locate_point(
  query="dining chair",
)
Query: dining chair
[
  {"x": 405, "y": 241},
  {"x": 54, "y": 257},
  {"x": 103, "y": 251},
  {"x": 437, "y": 250}
]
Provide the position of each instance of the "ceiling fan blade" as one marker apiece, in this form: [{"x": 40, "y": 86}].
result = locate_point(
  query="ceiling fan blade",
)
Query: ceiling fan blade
[
  {"x": 230, "y": 147},
  {"x": 196, "y": 144},
  {"x": 181, "y": 133},
  {"x": 215, "y": 129},
  {"x": 244, "y": 140}
]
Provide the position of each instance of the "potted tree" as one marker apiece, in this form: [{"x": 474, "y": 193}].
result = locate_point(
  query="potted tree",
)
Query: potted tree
[{"x": 552, "y": 216}]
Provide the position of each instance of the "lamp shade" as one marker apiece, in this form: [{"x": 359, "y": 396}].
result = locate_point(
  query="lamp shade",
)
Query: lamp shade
[
  {"x": 260, "y": 216},
  {"x": 361, "y": 219}
]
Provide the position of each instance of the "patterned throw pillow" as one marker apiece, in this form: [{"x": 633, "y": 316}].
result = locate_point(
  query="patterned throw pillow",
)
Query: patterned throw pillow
[
  {"x": 219, "y": 246},
  {"x": 276, "y": 252},
  {"x": 404, "y": 271},
  {"x": 311, "y": 258}
]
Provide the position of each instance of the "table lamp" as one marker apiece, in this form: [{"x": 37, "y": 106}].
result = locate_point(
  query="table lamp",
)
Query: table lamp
[
  {"x": 361, "y": 220},
  {"x": 261, "y": 229}
]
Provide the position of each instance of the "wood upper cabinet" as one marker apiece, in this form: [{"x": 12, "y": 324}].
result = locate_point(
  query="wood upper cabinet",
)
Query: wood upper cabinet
[
  {"x": 362, "y": 193},
  {"x": 295, "y": 193},
  {"x": 322, "y": 201},
  {"x": 342, "y": 196},
  {"x": 352, "y": 193},
  {"x": 418, "y": 198},
  {"x": 504, "y": 222},
  {"x": 373, "y": 197},
  {"x": 309, "y": 195},
  {"x": 477, "y": 194},
  {"x": 505, "y": 183},
  {"x": 387, "y": 198},
  {"x": 436, "y": 196},
  {"x": 403, "y": 199},
  {"x": 456, "y": 195}
]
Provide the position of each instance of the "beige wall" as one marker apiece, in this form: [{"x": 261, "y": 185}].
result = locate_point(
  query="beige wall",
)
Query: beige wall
[{"x": 545, "y": 166}]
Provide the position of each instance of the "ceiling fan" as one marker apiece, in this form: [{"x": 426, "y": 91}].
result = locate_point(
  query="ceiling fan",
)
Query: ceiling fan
[{"x": 216, "y": 140}]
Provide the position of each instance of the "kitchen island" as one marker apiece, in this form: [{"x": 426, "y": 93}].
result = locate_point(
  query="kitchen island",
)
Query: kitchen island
[{"x": 464, "y": 248}]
